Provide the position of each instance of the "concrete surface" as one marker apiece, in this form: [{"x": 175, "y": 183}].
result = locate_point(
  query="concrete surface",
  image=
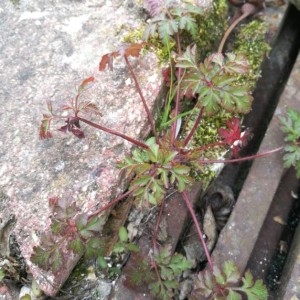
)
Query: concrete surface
[{"x": 46, "y": 49}]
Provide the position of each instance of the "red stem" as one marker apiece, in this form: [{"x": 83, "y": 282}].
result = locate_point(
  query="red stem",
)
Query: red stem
[
  {"x": 150, "y": 119},
  {"x": 111, "y": 131},
  {"x": 111, "y": 203},
  {"x": 190, "y": 135},
  {"x": 227, "y": 161},
  {"x": 176, "y": 112},
  {"x": 229, "y": 30},
  {"x": 200, "y": 234},
  {"x": 211, "y": 145}
]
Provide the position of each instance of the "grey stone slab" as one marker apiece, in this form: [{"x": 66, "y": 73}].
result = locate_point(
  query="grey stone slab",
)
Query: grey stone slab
[
  {"x": 290, "y": 278},
  {"x": 46, "y": 49}
]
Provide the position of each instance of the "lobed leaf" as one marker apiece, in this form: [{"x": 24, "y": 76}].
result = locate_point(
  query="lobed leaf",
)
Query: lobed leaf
[
  {"x": 166, "y": 28},
  {"x": 254, "y": 290},
  {"x": 56, "y": 259},
  {"x": 231, "y": 272},
  {"x": 40, "y": 257},
  {"x": 233, "y": 295},
  {"x": 94, "y": 247},
  {"x": 131, "y": 50},
  {"x": 87, "y": 228},
  {"x": 189, "y": 24},
  {"x": 77, "y": 246}
]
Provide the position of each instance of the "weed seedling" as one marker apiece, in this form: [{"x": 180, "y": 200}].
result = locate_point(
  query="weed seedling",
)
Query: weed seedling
[{"x": 167, "y": 158}]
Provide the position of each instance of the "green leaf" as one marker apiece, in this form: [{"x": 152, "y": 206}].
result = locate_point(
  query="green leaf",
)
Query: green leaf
[
  {"x": 132, "y": 247},
  {"x": 189, "y": 24},
  {"x": 44, "y": 132},
  {"x": 2, "y": 274},
  {"x": 210, "y": 100},
  {"x": 218, "y": 58},
  {"x": 56, "y": 259},
  {"x": 168, "y": 156},
  {"x": 164, "y": 177},
  {"x": 94, "y": 247},
  {"x": 119, "y": 248},
  {"x": 160, "y": 290},
  {"x": 123, "y": 234},
  {"x": 231, "y": 272},
  {"x": 254, "y": 290},
  {"x": 150, "y": 31},
  {"x": 194, "y": 9},
  {"x": 153, "y": 152},
  {"x": 102, "y": 262},
  {"x": 181, "y": 169},
  {"x": 166, "y": 29},
  {"x": 232, "y": 295},
  {"x": 40, "y": 257},
  {"x": 237, "y": 64},
  {"x": 77, "y": 246},
  {"x": 142, "y": 180},
  {"x": 88, "y": 228},
  {"x": 57, "y": 227},
  {"x": 188, "y": 59},
  {"x": 179, "y": 264},
  {"x": 35, "y": 289},
  {"x": 219, "y": 276},
  {"x": 291, "y": 126},
  {"x": 166, "y": 273}
]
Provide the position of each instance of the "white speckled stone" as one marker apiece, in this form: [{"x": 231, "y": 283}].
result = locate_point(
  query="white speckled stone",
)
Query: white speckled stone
[{"x": 47, "y": 49}]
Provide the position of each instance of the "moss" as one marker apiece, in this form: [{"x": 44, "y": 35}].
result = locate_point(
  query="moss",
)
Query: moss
[
  {"x": 134, "y": 35},
  {"x": 207, "y": 133},
  {"x": 207, "y": 130},
  {"x": 211, "y": 28},
  {"x": 251, "y": 42}
]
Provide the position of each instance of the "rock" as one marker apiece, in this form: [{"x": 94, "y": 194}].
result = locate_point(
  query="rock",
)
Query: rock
[{"x": 47, "y": 49}]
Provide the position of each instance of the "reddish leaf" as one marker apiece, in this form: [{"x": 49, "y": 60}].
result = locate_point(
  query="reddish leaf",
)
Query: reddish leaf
[
  {"x": 233, "y": 136},
  {"x": 166, "y": 73},
  {"x": 66, "y": 107},
  {"x": 233, "y": 131},
  {"x": 133, "y": 49},
  {"x": 87, "y": 81},
  {"x": 75, "y": 122},
  {"x": 90, "y": 107},
  {"x": 84, "y": 83},
  {"x": 53, "y": 201},
  {"x": 107, "y": 60},
  {"x": 63, "y": 128},
  {"x": 78, "y": 133}
]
